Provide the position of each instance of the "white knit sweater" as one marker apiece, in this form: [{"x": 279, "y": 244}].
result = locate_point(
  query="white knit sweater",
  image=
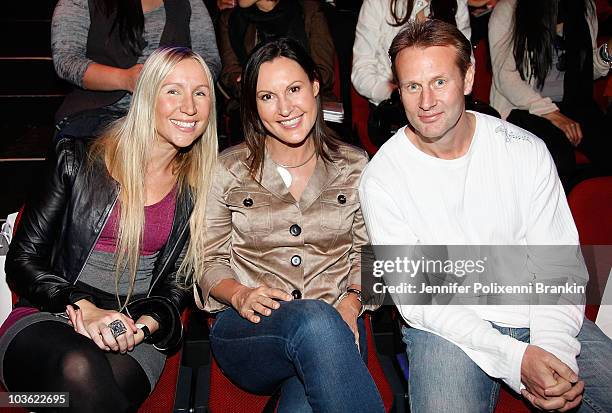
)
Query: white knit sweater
[{"x": 503, "y": 191}]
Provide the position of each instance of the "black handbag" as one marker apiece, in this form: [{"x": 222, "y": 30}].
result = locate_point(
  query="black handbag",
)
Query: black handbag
[{"x": 386, "y": 118}]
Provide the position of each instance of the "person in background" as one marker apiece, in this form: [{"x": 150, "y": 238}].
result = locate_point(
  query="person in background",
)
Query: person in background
[
  {"x": 480, "y": 12},
  {"x": 544, "y": 59},
  {"x": 226, "y": 4},
  {"x": 379, "y": 21},
  {"x": 106, "y": 240},
  {"x": 282, "y": 261},
  {"x": 215, "y": 7},
  {"x": 99, "y": 47},
  {"x": 240, "y": 29}
]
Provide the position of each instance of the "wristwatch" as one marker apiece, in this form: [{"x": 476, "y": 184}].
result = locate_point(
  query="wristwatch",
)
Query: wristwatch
[
  {"x": 357, "y": 293},
  {"x": 603, "y": 53},
  {"x": 145, "y": 331}
]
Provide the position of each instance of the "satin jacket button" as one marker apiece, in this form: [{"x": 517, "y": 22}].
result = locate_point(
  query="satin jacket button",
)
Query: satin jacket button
[
  {"x": 296, "y": 260},
  {"x": 295, "y": 230},
  {"x": 296, "y": 294},
  {"x": 342, "y": 199},
  {"x": 248, "y": 202}
]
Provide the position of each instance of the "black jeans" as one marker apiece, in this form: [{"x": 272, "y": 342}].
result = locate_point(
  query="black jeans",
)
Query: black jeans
[{"x": 89, "y": 123}]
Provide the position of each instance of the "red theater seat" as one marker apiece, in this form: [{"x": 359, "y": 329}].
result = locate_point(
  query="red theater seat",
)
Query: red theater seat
[
  {"x": 581, "y": 158},
  {"x": 591, "y": 205},
  {"x": 161, "y": 400},
  {"x": 361, "y": 113},
  {"x": 483, "y": 76}
]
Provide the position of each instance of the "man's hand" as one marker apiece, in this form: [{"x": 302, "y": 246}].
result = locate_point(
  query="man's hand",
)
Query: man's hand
[
  {"x": 550, "y": 383},
  {"x": 572, "y": 398},
  {"x": 569, "y": 127}
]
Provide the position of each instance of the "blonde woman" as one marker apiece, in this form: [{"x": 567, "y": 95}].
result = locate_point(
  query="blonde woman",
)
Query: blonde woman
[{"x": 99, "y": 249}]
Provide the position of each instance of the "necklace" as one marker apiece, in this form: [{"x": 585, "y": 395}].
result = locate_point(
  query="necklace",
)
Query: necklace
[{"x": 294, "y": 166}]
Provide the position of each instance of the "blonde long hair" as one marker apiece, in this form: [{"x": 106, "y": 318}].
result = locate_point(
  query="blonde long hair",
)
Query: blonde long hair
[{"x": 125, "y": 149}]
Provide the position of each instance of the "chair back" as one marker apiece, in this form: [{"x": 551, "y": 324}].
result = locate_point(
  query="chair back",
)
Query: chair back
[{"x": 483, "y": 76}]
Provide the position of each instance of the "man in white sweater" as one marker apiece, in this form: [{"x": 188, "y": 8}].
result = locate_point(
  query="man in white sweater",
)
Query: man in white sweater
[{"x": 458, "y": 177}]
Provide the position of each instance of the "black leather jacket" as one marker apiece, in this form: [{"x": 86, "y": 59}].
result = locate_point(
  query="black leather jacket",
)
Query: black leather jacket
[{"x": 61, "y": 224}]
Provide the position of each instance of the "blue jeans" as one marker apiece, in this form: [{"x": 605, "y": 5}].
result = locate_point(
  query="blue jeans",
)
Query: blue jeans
[
  {"x": 442, "y": 378},
  {"x": 304, "y": 349}
]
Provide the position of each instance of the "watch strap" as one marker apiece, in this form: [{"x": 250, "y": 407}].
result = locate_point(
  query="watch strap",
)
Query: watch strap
[
  {"x": 145, "y": 331},
  {"x": 357, "y": 293}
]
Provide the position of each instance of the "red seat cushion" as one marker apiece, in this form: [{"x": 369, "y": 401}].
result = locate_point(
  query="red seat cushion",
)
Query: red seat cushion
[
  {"x": 509, "y": 402},
  {"x": 161, "y": 400},
  {"x": 226, "y": 397},
  {"x": 581, "y": 158},
  {"x": 591, "y": 205}
]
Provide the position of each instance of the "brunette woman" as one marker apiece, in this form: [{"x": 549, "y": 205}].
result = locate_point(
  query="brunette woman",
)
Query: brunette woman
[{"x": 282, "y": 261}]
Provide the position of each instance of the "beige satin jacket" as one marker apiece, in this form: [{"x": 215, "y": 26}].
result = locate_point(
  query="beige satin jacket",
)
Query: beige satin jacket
[{"x": 259, "y": 235}]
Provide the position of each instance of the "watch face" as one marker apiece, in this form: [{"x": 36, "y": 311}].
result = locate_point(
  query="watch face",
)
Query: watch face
[{"x": 605, "y": 55}]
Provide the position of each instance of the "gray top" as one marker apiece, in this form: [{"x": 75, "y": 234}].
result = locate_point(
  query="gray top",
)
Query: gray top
[
  {"x": 99, "y": 272},
  {"x": 553, "y": 84},
  {"x": 70, "y": 28}
]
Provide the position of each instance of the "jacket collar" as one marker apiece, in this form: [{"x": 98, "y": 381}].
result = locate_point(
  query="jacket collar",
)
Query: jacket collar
[{"x": 322, "y": 177}]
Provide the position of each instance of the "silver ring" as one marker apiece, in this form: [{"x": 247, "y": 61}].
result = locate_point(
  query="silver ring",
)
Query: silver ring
[{"x": 117, "y": 328}]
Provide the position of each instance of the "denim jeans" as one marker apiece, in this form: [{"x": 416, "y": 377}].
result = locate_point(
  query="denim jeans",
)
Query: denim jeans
[
  {"x": 442, "y": 378},
  {"x": 304, "y": 348}
]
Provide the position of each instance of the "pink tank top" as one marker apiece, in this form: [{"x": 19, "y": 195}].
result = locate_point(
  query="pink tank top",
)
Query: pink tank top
[{"x": 158, "y": 224}]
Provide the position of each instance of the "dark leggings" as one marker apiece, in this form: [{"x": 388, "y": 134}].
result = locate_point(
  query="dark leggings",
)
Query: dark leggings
[
  {"x": 596, "y": 143},
  {"x": 50, "y": 357}
]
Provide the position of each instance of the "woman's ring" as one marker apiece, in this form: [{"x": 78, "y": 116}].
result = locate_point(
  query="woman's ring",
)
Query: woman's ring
[{"x": 117, "y": 328}]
